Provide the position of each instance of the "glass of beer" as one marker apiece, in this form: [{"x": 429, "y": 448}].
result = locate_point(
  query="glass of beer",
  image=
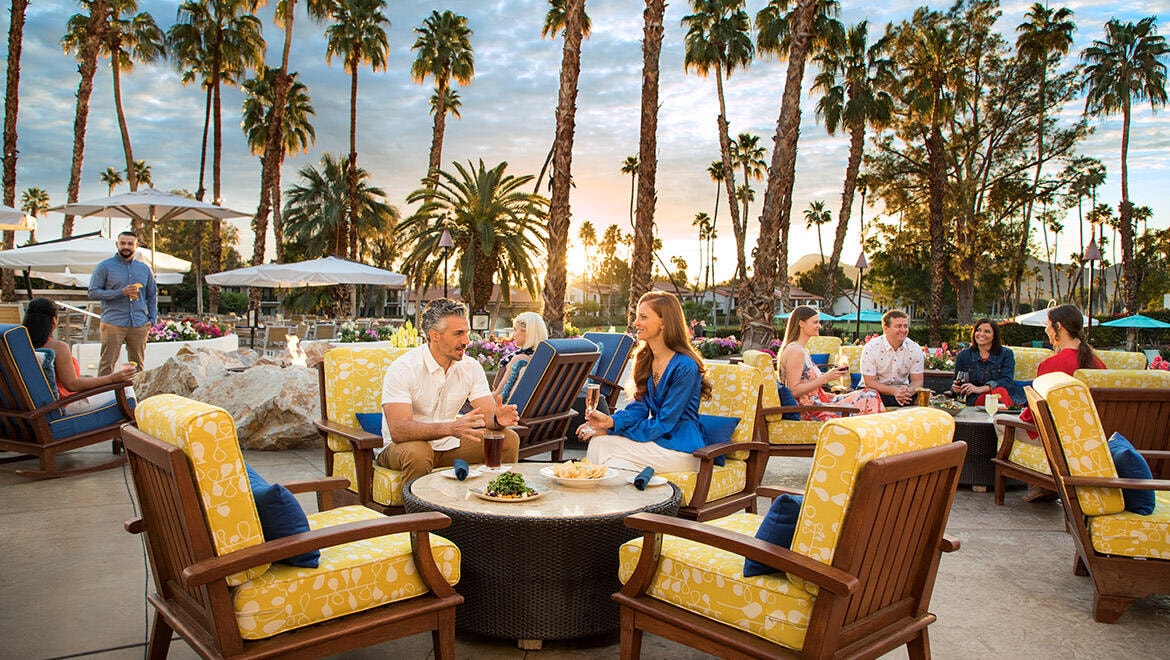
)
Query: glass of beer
[
  {"x": 493, "y": 448},
  {"x": 592, "y": 396},
  {"x": 922, "y": 396}
]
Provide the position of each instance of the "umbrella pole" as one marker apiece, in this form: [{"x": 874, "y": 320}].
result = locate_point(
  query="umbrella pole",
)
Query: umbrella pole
[{"x": 28, "y": 284}]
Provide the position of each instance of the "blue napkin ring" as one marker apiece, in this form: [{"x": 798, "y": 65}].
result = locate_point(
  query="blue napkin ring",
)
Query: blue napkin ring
[
  {"x": 643, "y": 478},
  {"x": 461, "y": 469}
]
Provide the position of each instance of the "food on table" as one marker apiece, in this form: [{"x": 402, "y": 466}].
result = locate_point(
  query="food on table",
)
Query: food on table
[
  {"x": 509, "y": 484},
  {"x": 579, "y": 470},
  {"x": 946, "y": 403}
]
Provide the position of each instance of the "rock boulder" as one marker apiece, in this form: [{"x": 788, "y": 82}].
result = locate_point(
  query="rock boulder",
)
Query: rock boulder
[{"x": 274, "y": 407}]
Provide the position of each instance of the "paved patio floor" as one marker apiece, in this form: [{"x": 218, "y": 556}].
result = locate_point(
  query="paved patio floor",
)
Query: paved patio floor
[{"x": 72, "y": 581}]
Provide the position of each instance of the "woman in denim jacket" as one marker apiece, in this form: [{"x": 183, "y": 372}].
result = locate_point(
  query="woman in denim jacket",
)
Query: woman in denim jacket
[{"x": 990, "y": 368}]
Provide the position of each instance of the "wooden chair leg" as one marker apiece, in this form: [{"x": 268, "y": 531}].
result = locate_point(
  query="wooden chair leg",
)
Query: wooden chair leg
[
  {"x": 1108, "y": 609},
  {"x": 919, "y": 647},
  {"x": 443, "y": 637},
  {"x": 631, "y": 636},
  {"x": 1079, "y": 567},
  {"x": 160, "y": 638},
  {"x": 1000, "y": 487}
]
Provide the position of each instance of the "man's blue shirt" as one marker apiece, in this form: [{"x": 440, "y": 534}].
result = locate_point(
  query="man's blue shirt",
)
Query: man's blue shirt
[{"x": 106, "y": 284}]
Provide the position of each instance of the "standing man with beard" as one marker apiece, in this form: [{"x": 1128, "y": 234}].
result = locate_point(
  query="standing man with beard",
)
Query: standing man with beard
[{"x": 129, "y": 297}]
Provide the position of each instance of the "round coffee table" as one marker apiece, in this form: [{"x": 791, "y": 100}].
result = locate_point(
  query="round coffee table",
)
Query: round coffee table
[
  {"x": 975, "y": 427},
  {"x": 542, "y": 569}
]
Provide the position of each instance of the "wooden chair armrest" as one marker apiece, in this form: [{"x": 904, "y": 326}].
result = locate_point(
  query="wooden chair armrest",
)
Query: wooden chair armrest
[
  {"x": 61, "y": 403},
  {"x": 317, "y": 485},
  {"x": 724, "y": 448},
  {"x": 543, "y": 419},
  {"x": 772, "y": 492},
  {"x": 356, "y": 437},
  {"x": 134, "y": 525},
  {"x": 1108, "y": 482},
  {"x": 949, "y": 543},
  {"x": 218, "y": 568},
  {"x": 1154, "y": 454},
  {"x": 826, "y": 577},
  {"x": 1015, "y": 422},
  {"x": 604, "y": 381}
]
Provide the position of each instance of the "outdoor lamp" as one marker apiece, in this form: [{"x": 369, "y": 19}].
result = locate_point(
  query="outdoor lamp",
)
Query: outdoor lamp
[
  {"x": 861, "y": 265},
  {"x": 446, "y": 243},
  {"x": 480, "y": 320},
  {"x": 1092, "y": 253}
]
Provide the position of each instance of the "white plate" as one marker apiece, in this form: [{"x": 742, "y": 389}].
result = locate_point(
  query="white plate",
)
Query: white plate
[
  {"x": 478, "y": 492},
  {"x": 610, "y": 475},
  {"x": 654, "y": 481},
  {"x": 471, "y": 473}
]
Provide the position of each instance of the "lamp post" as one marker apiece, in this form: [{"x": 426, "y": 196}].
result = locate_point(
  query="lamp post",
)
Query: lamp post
[
  {"x": 861, "y": 265},
  {"x": 1092, "y": 253},
  {"x": 446, "y": 243}
]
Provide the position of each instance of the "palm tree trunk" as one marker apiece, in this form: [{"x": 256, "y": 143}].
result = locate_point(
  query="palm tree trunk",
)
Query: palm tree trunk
[
  {"x": 758, "y": 298},
  {"x": 558, "y": 215},
  {"x": 200, "y": 190},
  {"x": 647, "y": 157},
  {"x": 440, "y": 127},
  {"x": 351, "y": 221},
  {"x": 1026, "y": 232},
  {"x": 1125, "y": 218},
  {"x": 124, "y": 129},
  {"x": 94, "y": 33},
  {"x": 11, "y": 105},
  {"x": 215, "y": 245},
  {"x": 937, "y": 180},
  {"x": 738, "y": 223},
  {"x": 856, "y": 149}
]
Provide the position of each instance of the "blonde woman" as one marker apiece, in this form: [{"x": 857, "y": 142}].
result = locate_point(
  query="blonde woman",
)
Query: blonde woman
[
  {"x": 804, "y": 379},
  {"x": 528, "y": 330}
]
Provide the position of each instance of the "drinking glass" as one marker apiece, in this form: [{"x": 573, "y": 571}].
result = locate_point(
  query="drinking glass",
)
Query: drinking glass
[
  {"x": 991, "y": 403},
  {"x": 592, "y": 396},
  {"x": 493, "y": 449}
]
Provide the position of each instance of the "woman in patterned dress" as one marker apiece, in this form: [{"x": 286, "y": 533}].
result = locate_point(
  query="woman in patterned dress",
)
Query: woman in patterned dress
[{"x": 804, "y": 379}]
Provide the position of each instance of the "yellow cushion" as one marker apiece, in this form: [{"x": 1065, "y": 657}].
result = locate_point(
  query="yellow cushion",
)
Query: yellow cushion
[
  {"x": 765, "y": 363},
  {"x": 854, "y": 355},
  {"x": 1082, "y": 439},
  {"x": 710, "y": 582},
  {"x": 1028, "y": 360},
  {"x": 735, "y": 392},
  {"x": 844, "y": 446},
  {"x": 1125, "y": 378},
  {"x": 1134, "y": 535},
  {"x": 387, "y": 483},
  {"x": 792, "y": 432},
  {"x": 1122, "y": 359},
  {"x": 824, "y": 344},
  {"x": 1029, "y": 456},
  {"x": 726, "y": 480},
  {"x": 207, "y": 435},
  {"x": 353, "y": 384},
  {"x": 351, "y": 578}
]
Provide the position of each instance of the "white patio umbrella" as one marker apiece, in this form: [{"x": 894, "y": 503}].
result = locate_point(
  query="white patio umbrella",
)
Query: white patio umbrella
[
  {"x": 153, "y": 205},
  {"x": 315, "y": 272},
  {"x": 81, "y": 280},
  {"x": 79, "y": 256},
  {"x": 1039, "y": 318},
  {"x": 16, "y": 220}
]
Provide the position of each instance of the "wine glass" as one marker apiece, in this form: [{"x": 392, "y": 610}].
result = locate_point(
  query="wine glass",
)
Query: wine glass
[
  {"x": 961, "y": 378},
  {"x": 592, "y": 396},
  {"x": 991, "y": 404}
]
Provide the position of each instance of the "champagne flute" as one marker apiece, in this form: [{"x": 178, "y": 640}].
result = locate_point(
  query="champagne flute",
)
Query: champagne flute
[{"x": 592, "y": 397}]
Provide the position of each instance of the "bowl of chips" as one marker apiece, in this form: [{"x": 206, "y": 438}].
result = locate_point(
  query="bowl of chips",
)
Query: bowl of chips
[{"x": 579, "y": 474}]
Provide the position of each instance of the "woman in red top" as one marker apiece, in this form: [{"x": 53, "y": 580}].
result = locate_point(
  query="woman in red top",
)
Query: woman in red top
[{"x": 1065, "y": 330}]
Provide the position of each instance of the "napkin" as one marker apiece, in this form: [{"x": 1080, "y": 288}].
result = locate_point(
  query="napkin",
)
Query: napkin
[
  {"x": 461, "y": 469},
  {"x": 643, "y": 478}
]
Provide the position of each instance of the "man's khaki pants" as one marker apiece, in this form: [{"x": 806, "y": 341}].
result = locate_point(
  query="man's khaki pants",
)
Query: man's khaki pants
[
  {"x": 113, "y": 336},
  {"x": 416, "y": 458}
]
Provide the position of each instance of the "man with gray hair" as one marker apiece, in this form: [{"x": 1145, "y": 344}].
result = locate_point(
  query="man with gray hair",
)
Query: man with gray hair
[{"x": 423, "y": 392}]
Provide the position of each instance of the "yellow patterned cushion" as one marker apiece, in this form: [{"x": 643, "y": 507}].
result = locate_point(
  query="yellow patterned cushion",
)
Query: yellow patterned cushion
[
  {"x": 387, "y": 482},
  {"x": 1082, "y": 439},
  {"x": 1028, "y": 360},
  {"x": 726, "y": 480},
  {"x": 853, "y": 354},
  {"x": 1125, "y": 378},
  {"x": 710, "y": 582},
  {"x": 735, "y": 392},
  {"x": 1122, "y": 359},
  {"x": 207, "y": 435},
  {"x": 765, "y": 363},
  {"x": 351, "y": 578},
  {"x": 1134, "y": 535},
  {"x": 844, "y": 446},
  {"x": 781, "y": 431},
  {"x": 1029, "y": 456},
  {"x": 353, "y": 384},
  {"x": 824, "y": 344}
]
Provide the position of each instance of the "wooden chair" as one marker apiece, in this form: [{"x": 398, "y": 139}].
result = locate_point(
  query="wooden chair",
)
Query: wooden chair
[
  {"x": 785, "y": 437},
  {"x": 325, "y": 331},
  {"x": 215, "y": 580},
  {"x": 857, "y": 580},
  {"x": 275, "y": 340},
  {"x": 615, "y": 353},
  {"x": 545, "y": 393},
  {"x": 1134, "y": 403},
  {"x": 717, "y": 490},
  {"x": 1124, "y": 553},
  {"x": 350, "y": 379},
  {"x": 33, "y": 422}
]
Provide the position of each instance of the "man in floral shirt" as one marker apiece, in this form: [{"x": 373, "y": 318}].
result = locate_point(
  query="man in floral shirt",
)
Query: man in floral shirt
[
  {"x": 892, "y": 363},
  {"x": 129, "y": 297}
]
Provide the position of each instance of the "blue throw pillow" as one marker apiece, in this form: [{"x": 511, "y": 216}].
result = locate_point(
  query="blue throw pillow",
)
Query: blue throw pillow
[
  {"x": 778, "y": 527},
  {"x": 819, "y": 358},
  {"x": 1132, "y": 465},
  {"x": 281, "y": 515},
  {"x": 48, "y": 366},
  {"x": 717, "y": 430},
  {"x": 370, "y": 422},
  {"x": 786, "y": 399}
]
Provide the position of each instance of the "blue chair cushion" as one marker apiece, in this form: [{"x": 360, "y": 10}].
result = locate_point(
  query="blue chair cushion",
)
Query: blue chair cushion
[
  {"x": 615, "y": 349},
  {"x": 1132, "y": 465},
  {"x": 854, "y": 381},
  {"x": 538, "y": 365},
  {"x": 786, "y": 399},
  {"x": 819, "y": 358},
  {"x": 777, "y": 528},
  {"x": 370, "y": 422},
  {"x": 717, "y": 430},
  {"x": 70, "y": 425},
  {"x": 28, "y": 364},
  {"x": 281, "y": 515}
]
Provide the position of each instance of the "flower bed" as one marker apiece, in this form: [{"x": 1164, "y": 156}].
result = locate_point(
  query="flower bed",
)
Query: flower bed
[
  {"x": 939, "y": 359},
  {"x": 186, "y": 330},
  {"x": 404, "y": 336},
  {"x": 490, "y": 353}
]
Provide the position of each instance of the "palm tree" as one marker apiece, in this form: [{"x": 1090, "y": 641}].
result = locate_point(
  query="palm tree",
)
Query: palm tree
[
  {"x": 216, "y": 41},
  {"x": 567, "y": 17},
  {"x": 747, "y": 154},
  {"x": 715, "y": 171},
  {"x": 12, "y": 105},
  {"x": 795, "y": 32},
  {"x": 855, "y": 77},
  {"x": 719, "y": 40},
  {"x": 497, "y": 229},
  {"x": 443, "y": 50},
  {"x": 705, "y": 226},
  {"x": 83, "y": 39},
  {"x": 1044, "y": 37},
  {"x": 34, "y": 201},
  {"x": 587, "y": 234},
  {"x": 131, "y": 37},
  {"x": 298, "y": 133},
  {"x": 816, "y": 215},
  {"x": 630, "y": 166},
  {"x": 1126, "y": 66},
  {"x": 112, "y": 178},
  {"x": 142, "y": 171},
  {"x": 357, "y": 36}
]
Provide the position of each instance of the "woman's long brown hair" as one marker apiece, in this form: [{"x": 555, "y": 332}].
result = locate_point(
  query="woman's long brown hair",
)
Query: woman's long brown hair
[
  {"x": 1073, "y": 322},
  {"x": 674, "y": 334}
]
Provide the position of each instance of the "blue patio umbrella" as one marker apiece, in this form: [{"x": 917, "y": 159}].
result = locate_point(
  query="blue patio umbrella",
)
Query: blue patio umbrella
[
  {"x": 867, "y": 316},
  {"x": 1137, "y": 321}
]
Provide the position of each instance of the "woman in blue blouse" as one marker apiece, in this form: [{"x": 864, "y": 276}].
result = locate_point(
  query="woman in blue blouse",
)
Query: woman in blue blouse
[
  {"x": 660, "y": 427},
  {"x": 990, "y": 367}
]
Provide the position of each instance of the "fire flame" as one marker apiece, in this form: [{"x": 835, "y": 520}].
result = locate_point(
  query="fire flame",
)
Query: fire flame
[{"x": 294, "y": 349}]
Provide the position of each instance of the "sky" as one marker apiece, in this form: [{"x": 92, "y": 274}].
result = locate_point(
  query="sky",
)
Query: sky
[{"x": 508, "y": 115}]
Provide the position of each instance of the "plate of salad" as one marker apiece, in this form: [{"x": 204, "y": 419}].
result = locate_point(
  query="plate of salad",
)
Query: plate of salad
[{"x": 508, "y": 487}]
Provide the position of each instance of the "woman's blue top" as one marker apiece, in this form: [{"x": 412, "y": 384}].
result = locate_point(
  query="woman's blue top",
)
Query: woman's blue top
[
  {"x": 669, "y": 414},
  {"x": 998, "y": 370}
]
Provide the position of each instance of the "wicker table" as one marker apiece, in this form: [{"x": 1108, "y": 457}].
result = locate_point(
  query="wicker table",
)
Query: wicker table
[
  {"x": 543, "y": 569},
  {"x": 975, "y": 427}
]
